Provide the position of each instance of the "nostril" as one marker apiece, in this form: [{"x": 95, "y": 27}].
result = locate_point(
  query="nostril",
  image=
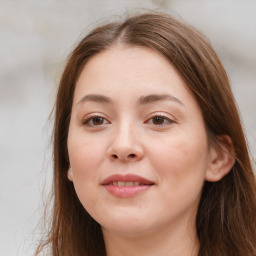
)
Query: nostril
[{"x": 130, "y": 156}]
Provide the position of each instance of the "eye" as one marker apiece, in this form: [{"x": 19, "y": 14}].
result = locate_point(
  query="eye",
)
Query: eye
[
  {"x": 95, "y": 121},
  {"x": 159, "y": 120}
]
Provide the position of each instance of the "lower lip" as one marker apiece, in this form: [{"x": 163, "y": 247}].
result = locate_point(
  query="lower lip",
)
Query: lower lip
[{"x": 131, "y": 191}]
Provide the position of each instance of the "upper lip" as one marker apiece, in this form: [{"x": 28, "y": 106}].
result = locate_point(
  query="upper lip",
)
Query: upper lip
[{"x": 126, "y": 178}]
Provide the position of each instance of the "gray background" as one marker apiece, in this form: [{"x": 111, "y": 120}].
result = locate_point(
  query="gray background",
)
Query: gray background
[{"x": 35, "y": 38}]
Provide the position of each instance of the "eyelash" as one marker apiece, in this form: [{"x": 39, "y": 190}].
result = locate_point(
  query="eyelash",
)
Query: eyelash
[
  {"x": 166, "y": 120},
  {"x": 90, "y": 118},
  {"x": 87, "y": 121}
]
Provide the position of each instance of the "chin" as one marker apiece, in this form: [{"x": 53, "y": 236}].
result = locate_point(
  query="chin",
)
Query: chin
[
  {"x": 126, "y": 225},
  {"x": 127, "y": 231}
]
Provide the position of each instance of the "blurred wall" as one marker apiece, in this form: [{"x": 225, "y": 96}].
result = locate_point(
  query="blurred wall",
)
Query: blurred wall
[{"x": 35, "y": 38}]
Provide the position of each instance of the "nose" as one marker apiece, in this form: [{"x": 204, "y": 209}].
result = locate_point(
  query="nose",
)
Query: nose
[{"x": 126, "y": 145}]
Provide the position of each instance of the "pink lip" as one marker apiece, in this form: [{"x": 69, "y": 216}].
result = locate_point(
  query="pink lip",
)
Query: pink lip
[
  {"x": 131, "y": 191},
  {"x": 126, "y": 178}
]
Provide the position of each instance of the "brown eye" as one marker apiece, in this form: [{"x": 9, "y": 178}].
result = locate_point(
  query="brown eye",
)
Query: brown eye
[
  {"x": 158, "y": 120},
  {"x": 97, "y": 120}
]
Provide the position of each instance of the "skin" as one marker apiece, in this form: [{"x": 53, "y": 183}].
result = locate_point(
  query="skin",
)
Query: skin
[{"x": 172, "y": 151}]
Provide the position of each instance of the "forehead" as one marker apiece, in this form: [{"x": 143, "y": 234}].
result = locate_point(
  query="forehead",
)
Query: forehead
[
  {"x": 136, "y": 61},
  {"x": 123, "y": 68}
]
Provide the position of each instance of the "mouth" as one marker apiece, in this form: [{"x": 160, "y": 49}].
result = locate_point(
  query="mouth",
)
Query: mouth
[
  {"x": 128, "y": 180},
  {"x": 128, "y": 185}
]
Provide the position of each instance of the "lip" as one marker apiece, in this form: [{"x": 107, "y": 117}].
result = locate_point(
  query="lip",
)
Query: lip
[
  {"x": 126, "y": 178},
  {"x": 124, "y": 191}
]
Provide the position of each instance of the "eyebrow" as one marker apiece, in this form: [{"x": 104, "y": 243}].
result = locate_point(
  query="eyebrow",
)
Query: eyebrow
[
  {"x": 95, "y": 98},
  {"x": 148, "y": 99},
  {"x": 158, "y": 97}
]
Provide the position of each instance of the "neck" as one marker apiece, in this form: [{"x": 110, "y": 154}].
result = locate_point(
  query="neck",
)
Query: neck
[{"x": 172, "y": 242}]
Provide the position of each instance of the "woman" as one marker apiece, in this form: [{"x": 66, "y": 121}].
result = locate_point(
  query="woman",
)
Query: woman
[{"x": 149, "y": 153}]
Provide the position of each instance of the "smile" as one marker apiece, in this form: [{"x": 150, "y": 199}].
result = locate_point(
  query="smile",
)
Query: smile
[{"x": 124, "y": 186}]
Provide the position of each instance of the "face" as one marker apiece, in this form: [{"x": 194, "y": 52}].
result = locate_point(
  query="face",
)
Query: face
[{"x": 137, "y": 143}]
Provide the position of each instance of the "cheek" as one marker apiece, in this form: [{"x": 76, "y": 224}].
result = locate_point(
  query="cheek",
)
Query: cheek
[
  {"x": 85, "y": 154},
  {"x": 86, "y": 158},
  {"x": 181, "y": 160}
]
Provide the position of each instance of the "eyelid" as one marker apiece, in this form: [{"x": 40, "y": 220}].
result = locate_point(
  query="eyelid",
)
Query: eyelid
[
  {"x": 89, "y": 117},
  {"x": 166, "y": 116}
]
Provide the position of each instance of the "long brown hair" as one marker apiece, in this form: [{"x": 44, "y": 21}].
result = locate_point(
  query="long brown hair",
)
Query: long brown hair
[{"x": 226, "y": 221}]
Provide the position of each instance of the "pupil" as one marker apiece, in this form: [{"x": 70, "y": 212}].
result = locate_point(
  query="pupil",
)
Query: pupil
[
  {"x": 97, "y": 120},
  {"x": 158, "y": 120}
]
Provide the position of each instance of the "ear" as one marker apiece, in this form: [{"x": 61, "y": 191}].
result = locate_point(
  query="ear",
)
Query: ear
[
  {"x": 70, "y": 174},
  {"x": 221, "y": 159}
]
